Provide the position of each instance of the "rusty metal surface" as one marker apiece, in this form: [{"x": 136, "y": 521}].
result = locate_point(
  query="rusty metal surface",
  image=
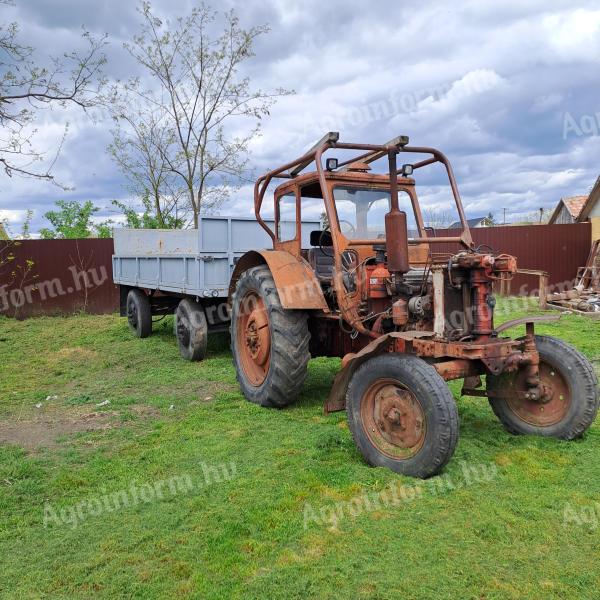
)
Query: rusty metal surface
[
  {"x": 459, "y": 368},
  {"x": 48, "y": 277},
  {"x": 296, "y": 283},
  {"x": 393, "y": 419}
]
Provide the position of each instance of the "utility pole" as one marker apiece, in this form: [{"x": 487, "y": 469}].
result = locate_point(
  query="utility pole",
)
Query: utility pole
[{"x": 504, "y": 210}]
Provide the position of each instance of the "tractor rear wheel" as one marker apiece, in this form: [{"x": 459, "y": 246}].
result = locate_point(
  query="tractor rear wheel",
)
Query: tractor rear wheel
[
  {"x": 402, "y": 415},
  {"x": 191, "y": 330},
  {"x": 269, "y": 343},
  {"x": 570, "y": 404},
  {"x": 139, "y": 313}
]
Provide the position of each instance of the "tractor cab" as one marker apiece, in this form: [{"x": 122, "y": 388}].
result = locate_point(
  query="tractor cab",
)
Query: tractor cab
[
  {"x": 373, "y": 246},
  {"x": 351, "y": 203}
]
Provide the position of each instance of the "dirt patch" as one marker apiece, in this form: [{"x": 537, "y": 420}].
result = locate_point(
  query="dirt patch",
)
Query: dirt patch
[
  {"x": 77, "y": 352},
  {"x": 44, "y": 430}
]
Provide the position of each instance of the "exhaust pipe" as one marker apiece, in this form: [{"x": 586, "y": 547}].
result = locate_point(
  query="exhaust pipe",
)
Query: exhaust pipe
[{"x": 396, "y": 229}]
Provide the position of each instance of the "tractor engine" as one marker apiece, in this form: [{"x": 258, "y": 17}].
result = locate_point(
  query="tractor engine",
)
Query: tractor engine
[{"x": 455, "y": 297}]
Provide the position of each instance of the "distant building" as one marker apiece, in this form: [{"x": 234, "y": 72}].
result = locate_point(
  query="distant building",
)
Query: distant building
[
  {"x": 568, "y": 210},
  {"x": 478, "y": 222},
  {"x": 578, "y": 209}
]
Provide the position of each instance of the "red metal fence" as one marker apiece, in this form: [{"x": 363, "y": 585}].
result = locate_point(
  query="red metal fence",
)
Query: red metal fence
[
  {"x": 40, "y": 277},
  {"x": 557, "y": 249},
  {"x": 45, "y": 277}
]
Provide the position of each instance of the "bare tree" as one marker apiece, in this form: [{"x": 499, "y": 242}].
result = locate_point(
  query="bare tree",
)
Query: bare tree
[
  {"x": 142, "y": 138},
  {"x": 437, "y": 218},
  {"x": 26, "y": 87},
  {"x": 201, "y": 96}
]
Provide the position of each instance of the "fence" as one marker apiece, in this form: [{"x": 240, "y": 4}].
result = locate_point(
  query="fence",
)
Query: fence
[
  {"x": 557, "y": 249},
  {"x": 47, "y": 277},
  {"x": 41, "y": 277}
]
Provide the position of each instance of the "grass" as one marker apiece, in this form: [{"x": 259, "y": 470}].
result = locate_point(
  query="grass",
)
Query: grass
[{"x": 242, "y": 534}]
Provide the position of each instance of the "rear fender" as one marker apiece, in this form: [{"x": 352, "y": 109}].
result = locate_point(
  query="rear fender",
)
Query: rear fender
[{"x": 297, "y": 286}]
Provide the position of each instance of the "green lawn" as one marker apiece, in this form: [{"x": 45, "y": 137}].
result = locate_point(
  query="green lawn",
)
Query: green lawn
[{"x": 281, "y": 521}]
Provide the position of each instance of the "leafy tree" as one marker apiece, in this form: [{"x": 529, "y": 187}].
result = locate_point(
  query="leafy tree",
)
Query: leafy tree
[
  {"x": 26, "y": 228},
  {"x": 73, "y": 221},
  {"x": 149, "y": 218},
  {"x": 27, "y": 87},
  {"x": 489, "y": 221},
  {"x": 104, "y": 229}
]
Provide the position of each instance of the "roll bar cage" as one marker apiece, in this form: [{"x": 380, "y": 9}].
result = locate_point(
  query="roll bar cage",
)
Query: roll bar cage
[{"x": 369, "y": 154}]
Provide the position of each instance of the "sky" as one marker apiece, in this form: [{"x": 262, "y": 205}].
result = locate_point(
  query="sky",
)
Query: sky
[{"x": 508, "y": 90}]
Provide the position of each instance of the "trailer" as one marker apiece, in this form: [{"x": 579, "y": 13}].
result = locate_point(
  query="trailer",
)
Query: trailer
[{"x": 186, "y": 273}]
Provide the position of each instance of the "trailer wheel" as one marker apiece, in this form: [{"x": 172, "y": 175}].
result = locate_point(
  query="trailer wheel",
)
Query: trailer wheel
[
  {"x": 571, "y": 401},
  {"x": 269, "y": 343},
  {"x": 402, "y": 415},
  {"x": 139, "y": 313},
  {"x": 191, "y": 330}
]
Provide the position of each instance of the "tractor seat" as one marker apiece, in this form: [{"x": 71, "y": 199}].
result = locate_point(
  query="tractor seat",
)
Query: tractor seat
[{"x": 321, "y": 262}]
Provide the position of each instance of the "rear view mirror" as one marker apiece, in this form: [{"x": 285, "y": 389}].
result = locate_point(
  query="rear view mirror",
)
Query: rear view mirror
[{"x": 320, "y": 238}]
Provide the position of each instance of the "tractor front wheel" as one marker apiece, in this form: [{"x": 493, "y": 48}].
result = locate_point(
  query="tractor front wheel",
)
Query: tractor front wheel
[
  {"x": 269, "y": 343},
  {"x": 570, "y": 402},
  {"x": 402, "y": 415}
]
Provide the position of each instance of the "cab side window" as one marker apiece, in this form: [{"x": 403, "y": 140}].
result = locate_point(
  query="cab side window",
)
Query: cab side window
[{"x": 286, "y": 217}]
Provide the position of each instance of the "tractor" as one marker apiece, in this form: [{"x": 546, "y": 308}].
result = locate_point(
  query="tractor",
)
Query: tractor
[{"x": 405, "y": 309}]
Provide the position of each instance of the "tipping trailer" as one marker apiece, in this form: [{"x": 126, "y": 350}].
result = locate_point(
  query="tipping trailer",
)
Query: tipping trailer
[{"x": 186, "y": 272}]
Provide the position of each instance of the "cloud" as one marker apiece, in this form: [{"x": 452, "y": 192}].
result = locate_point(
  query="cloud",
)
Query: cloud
[{"x": 489, "y": 86}]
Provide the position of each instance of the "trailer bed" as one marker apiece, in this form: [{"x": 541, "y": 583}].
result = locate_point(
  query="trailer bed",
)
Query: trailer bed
[{"x": 195, "y": 262}]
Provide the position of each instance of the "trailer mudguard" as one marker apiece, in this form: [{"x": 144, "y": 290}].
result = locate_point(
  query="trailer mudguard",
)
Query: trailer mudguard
[{"x": 297, "y": 286}]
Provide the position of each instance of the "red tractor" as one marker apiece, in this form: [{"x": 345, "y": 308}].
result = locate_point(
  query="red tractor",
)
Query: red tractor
[{"x": 383, "y": 292}]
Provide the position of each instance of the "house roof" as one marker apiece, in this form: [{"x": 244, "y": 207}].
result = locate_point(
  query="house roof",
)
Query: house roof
[
  {"x": 579, "y": 207},
  {"x": 471, "y": 222},
  {"x": 590, "y": 202},
  {"x": 574, "y": 204}
]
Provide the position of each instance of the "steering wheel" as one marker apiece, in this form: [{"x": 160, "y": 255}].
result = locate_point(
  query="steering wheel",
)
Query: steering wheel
[
  {"x": 348, "y": 256},
  {"x": 352, "y": 228}
]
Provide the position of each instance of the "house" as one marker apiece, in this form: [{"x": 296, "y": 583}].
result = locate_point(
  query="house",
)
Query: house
[
  {"x": 568, "y": 210},
  {"x": 591, "y": 210},
  {"x": 478, "y": 222},
  {"x": 580, "y": 209}
]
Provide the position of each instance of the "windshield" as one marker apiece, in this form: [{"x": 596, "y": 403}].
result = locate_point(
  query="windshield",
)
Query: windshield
[{"x": 361, "y": 212}]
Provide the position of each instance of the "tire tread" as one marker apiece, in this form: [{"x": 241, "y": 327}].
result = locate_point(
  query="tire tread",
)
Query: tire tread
[{"x": 289, "y": 344}]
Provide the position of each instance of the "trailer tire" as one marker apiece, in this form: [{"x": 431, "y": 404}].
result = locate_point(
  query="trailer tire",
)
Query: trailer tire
[
  {"x": 139, "y": 313},
  {"x": 573, "y": 404},
  {"x": 269, "y": 344},
  {"x": 191, "y": 330},
  {"x": 402, "y": 415}
]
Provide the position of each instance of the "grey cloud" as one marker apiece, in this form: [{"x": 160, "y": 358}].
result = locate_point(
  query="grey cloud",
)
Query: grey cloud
[{"x": 373, "y": 72}]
